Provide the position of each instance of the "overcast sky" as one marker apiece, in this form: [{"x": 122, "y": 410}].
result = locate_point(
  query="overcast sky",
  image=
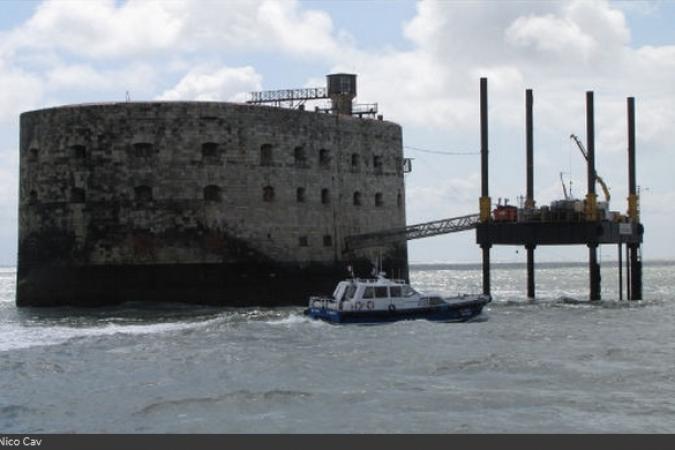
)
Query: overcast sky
[{"x": 420, "y": 61}]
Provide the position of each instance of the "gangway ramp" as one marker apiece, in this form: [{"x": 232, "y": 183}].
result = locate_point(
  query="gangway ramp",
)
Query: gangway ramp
[{"x": 418, "y": 231}]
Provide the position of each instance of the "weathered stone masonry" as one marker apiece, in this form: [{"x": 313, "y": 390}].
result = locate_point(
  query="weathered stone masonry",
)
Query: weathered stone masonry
[{"x": 200, "y": 202}]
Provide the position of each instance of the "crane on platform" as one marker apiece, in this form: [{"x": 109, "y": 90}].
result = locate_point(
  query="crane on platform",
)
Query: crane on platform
[{"x": 599, "y": 179}]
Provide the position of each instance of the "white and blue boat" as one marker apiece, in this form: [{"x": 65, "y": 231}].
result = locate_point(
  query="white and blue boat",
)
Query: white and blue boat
[{"x": 377, "y": 300}]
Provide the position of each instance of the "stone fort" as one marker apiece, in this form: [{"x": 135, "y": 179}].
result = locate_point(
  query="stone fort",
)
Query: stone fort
[{"x": 203, "y": 202}]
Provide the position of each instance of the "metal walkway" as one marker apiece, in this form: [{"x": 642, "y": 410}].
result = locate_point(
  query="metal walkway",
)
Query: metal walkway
[{"x": 421, "y": 230}]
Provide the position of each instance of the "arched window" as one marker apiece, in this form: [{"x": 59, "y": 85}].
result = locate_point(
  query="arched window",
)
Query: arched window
[
  {"x": 357, "y": 198},
  {"x": 143, "y": 149},
  {"x": 356, "y": 160},
  {"x": 378, "y": 199},
  {"x": 300, "y": 156},
  {"x": 266, "y": 155},
  {"x": 300, "y": 195},
  {"x": 324, "y": 157},
  {"x": 210, "y": 150},
  {"x": 78, "y": 151},
  {"x": 268, "y": 194},
  {"x": 32, "y": 197},
  {"x": 325, "y": 196},
  {"x": 213, "y": 193},
  {"x": 143, "y": 194},
  {"x": 33, "y": 154},
  {"x": 399, "y": 199},
  {"x": 77, "y": 195}
]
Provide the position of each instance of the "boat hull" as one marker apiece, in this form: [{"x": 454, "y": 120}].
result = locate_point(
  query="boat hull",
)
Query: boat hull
[{"x": 452, "y": 312}]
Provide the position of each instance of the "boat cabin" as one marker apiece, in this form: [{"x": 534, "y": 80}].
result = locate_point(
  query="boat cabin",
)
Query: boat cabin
[{"x": 379, "y": 294}]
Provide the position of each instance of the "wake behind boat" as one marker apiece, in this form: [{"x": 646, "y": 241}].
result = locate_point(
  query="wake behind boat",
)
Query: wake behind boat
[{"x": 375, "y": 300}]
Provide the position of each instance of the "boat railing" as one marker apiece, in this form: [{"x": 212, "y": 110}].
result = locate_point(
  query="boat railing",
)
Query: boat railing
[
  {"x": 376, "y": 280},
  {"x": 319, "y": 301}
]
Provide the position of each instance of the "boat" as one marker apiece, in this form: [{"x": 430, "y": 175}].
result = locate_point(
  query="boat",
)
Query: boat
[{"x": 381, "y": 300}]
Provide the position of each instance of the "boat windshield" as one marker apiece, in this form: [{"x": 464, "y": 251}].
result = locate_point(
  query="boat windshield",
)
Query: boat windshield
[
  {"x": 407, "y": 291},
  {"x": 351, "y": 290}
]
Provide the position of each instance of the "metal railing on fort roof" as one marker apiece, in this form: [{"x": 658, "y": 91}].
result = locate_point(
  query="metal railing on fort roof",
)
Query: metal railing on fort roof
[{"x": 286, "y": 95}]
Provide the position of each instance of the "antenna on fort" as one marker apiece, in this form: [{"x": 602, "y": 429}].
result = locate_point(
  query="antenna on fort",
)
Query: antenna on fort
[{"x": 127, "y": 98}]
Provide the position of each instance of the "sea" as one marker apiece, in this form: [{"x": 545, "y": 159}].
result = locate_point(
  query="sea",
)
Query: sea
[{"x": 556, "y": 364}]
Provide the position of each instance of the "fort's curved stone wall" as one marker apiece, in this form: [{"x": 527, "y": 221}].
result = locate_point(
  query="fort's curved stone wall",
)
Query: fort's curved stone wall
[{"x": 191, "y": 201}]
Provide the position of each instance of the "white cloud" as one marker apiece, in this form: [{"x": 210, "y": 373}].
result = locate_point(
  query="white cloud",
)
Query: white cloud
[
  {"x": 101, "y": 29},
  {"x": 87, "y": 78},
  {"x": 453, "y": 197},
  {"x": 9, "y": 182},
  {"x": 19, "y": 91},
  {"x": 549, "y": 33},
  {"x": 224, "y": 84},
  {"x": 105, "y": 29}
]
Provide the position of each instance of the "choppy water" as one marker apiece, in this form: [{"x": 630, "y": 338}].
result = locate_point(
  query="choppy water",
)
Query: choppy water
[{"x": 544, "y": 366}]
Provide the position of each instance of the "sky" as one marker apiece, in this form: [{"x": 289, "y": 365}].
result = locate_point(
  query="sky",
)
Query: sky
[{"x": 420, "y": 61}]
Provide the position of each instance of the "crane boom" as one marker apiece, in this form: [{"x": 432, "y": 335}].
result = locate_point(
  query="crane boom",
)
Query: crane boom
[
  {"x": 567, "y": 197},
  {"x": 598, "y": 178}
]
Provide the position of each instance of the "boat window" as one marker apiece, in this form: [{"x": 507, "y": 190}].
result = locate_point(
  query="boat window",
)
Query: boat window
[
  {"x": 407, "y": 291},
  {"x": 395, "y": 291},
  {"x": 381, "y": 292},
  {"x": 368, "y": 292},
  {"x": 351, "y": 290},
  {"x": 434, "y": 301},
  {"x": 339, "y": 292}
]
